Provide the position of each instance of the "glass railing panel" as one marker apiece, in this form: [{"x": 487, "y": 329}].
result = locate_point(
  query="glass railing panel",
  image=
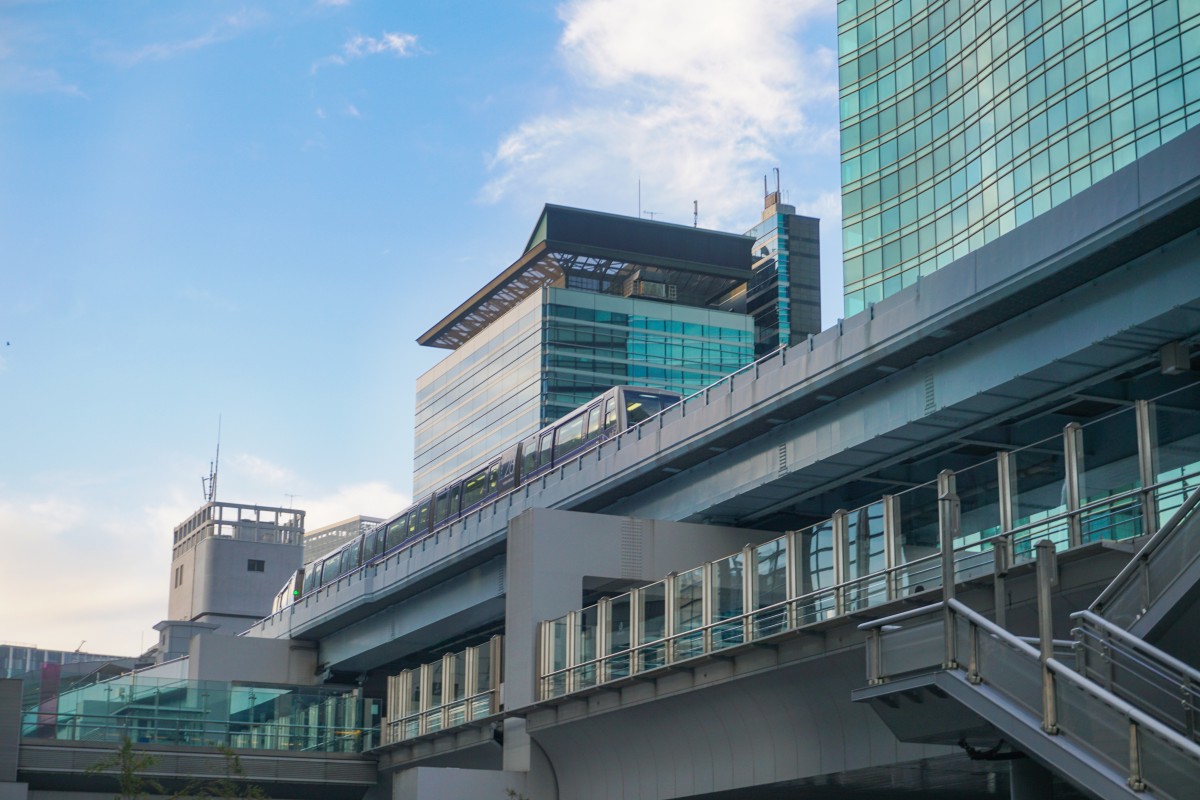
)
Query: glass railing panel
[
  {"x": 913, "y": 648},
  {"x": 1177, "y": 445},
  {"x": 556, "y": 654},
  {"x": 436, "y": 697},
  {"x": 652, "y": 611},
  {"x": 1098, "y": 726},
  {"x": 770, "y": 588},
  {"x": 866, "y": 558},
  {"x": 1167, "y": 769},
  {"x": 816, "y": 579},
  {"x": 620, "y": 617},
  {"x": 919, "y": 569},
  {"x": 728, "y": 577},
  {"x": 1174, "y": 555},
  {"x": 1039, "y": 496},
  {"x": 1109, "y": 467},
  {"x": 978, "y": 490},
  {"x": 688, "y": 638},
  {"x": 586, "y": 650},
  {"x": 1012, "y": 672}
]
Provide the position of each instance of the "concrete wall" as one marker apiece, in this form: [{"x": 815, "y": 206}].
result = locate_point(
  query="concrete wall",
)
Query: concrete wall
[
  {"x": 228, "y": 658},
  {"x": 217, "y": 586}
]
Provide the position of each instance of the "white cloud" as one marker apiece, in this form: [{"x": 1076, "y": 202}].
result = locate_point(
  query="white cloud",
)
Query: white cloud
[
  {"x": 256, "y": 471},
  {"x": 696, "y": 97},
  {"x": 222, "y": 31},
  {"x": 373, "y": 499},
  {"x": 400, "y": 45},
  {"x": 352, "y": 111},
  {"x": 333, "y": 3},
  {"x": 18, "y": 78}
]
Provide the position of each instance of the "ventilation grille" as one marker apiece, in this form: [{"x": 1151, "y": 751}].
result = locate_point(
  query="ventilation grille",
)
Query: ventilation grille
[
  {"x": 631, "y": 548},
  {"x": 783, "y": 465},
  {"x": 930, "y": 399}
]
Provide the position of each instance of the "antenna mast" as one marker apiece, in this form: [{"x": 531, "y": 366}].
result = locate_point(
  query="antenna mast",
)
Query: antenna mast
[
  {"x": 695, "y": 213},
  {"x": 210, "y": 484}
]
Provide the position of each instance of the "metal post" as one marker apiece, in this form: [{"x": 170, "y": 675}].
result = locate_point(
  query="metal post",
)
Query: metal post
[
  {"x": 1002, "y": 556},
  {"x": 1073, "y": 453},
  {"x": 572, "y": 655},
  {"x": 1045, "y": 573},
  {"x": 1005, "y": 482},
  {"x": 669, "y": 602},
  {"x": 893, "y": 549},
  {"x": 636, "y": 612},
  {"x": 1147, "y": 438},
  {"x": 840, "y": 560},
  {"x": 603, "y": 611},
  {"x": 1135, "y": 760},
  {"x": 794, "y": 582},
  {"x": 949, "y": 520},
  {"x": 874, "y": 646},
  {"x": 707, "y": 599},
  {"x": 749, "y": 591},
  {"x": 470, "y": 659}
]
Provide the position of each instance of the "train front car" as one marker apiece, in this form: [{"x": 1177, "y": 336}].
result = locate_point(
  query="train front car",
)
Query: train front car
[
  {"x": 290, "y": 592},
  {"x": 639, "y": 404}
]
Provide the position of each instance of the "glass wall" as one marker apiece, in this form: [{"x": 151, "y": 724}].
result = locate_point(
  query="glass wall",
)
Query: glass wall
[
  {"x": 552, "y": 353},
  {"x": 963, "y": 119},
  {"x": 206, "y": 714}
]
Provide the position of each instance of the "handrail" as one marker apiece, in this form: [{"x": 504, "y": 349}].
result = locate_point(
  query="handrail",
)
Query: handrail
[
  {"x": 902, "y": 616},
  {"x": 1128, "y": 638},
  {"x": 958, "y": 607},
  {"x": 1147, "y": 550}
]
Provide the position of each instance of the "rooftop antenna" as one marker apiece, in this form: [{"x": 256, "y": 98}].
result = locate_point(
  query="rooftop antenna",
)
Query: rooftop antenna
[
  {"x": 650, "y": 213},
  {"x": 765, "y": 192},
  {"x": 776, "y": 180},
  {"x": 639, "y": 196},
  {"x": 210, "y": 484},
  {"x": 291, "y": 499},
  {"x": 81, "y": 644},
  {"x": 695, "y": 213}
]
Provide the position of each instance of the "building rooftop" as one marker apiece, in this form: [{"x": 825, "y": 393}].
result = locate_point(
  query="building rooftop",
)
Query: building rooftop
[{"x": 589, "y": 249}]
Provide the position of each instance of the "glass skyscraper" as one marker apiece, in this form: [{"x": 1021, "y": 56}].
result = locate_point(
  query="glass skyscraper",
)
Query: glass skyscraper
[{"x": 961, "y": 119}]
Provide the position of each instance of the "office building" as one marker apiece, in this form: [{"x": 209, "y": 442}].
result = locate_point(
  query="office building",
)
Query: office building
[
  {"x": 598, "y": 300},
  {"x": 320, "y": 542},
  {"x": 962, "y": 120}
]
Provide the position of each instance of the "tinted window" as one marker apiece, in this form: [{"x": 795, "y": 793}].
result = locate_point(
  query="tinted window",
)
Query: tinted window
[
  {"x": 593, "y": 426},
  {"x": 642, "y": 405},
  {"x": 568, "y": 436}
]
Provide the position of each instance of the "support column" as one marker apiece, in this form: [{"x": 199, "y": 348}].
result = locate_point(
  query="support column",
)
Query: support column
[{"x": 1029, "y": 780}]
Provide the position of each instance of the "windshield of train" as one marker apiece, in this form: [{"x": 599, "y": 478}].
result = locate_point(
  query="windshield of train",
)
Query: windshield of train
[{"x": 643, "y": 405}]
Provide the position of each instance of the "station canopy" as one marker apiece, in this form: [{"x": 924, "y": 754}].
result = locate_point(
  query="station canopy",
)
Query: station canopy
[{"x": 601, "y": 252}]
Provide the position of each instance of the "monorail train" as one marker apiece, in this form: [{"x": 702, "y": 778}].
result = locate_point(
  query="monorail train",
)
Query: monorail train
[{"x": 602, "y": 418}]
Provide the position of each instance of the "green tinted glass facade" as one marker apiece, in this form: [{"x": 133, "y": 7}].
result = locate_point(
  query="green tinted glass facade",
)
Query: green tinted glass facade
[
  {"x": 963, "y": 119},
  {"x": 553, "y": 352}
]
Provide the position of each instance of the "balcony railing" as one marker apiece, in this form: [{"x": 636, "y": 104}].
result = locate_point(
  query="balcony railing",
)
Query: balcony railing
[
  {"x": 1117, "y": 477},
  {"x": 458, "y": 689}
]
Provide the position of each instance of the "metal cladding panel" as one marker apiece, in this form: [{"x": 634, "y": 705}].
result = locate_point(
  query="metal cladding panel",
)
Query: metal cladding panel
[{"x": 10, "y": 727}]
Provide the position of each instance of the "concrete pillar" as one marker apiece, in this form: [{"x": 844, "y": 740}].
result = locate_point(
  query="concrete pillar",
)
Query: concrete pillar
[{"x": 1029, "y": 780}]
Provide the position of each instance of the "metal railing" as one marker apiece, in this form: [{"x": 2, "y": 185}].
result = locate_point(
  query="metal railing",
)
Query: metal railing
[
  {"x": 458, "y": 689},
  {"x": 1138, "y": 672},
  {"x": 1042, "y": 690},
  {"x": 1160, "y": 561}
]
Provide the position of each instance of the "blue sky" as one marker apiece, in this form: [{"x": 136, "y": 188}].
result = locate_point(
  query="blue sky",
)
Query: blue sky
[{"x": 250, "y": 210}]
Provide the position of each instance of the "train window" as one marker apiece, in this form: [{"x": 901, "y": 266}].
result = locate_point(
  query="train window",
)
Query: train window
[
  {"x": 368, "y": 547},
  {"x": 474, "y": 488},
  {"x": 593, "y": 425},
  {"x": 547, "y": 441},
  {"x": 423, "y": 520},
  {"x": 529, "y": 455},
  {"x": 412, "y": 522},
  {"x": 610, "y": 415},
  {"x": 329, "y": 568},
  {"x": 380, "y": 541},
  {"x": 641, "y": 406},
  {"x": 568, "y": 436},
  {"x": 310, "y": 577},
  {"x": 396, "y": 533},
  {"x": 442, "y": 509},
  {"x": 493, "y": 479}
]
